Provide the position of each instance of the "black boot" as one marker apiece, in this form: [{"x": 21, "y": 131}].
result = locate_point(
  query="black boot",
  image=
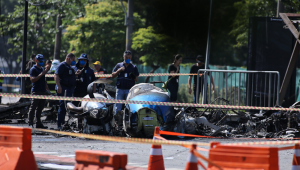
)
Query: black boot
[
  {"x": 30, "y": 124},
  {"x": 41, "y": 126}
]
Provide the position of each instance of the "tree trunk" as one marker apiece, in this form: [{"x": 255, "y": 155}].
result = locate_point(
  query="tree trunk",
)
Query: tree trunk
[
  {"x": 154, "y": 67},
  {"x": 57, "y": 38}
]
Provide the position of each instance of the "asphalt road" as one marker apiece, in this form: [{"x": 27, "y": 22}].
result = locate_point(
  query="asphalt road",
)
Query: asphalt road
[{"x": 175, "y": 157}]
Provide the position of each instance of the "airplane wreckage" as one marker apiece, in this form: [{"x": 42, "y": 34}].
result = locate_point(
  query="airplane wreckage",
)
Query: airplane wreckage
[{"x": 139, "y": 120}]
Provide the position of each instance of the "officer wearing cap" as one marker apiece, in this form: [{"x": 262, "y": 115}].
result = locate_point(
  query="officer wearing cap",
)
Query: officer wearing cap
[
  {"x": 39, "y": 87},
  {"x": 200, "y": 64},
  {"x": 127, "y": 74},
  {"x": 65, "y": 83},
  {"x": 84, "y": 78}
]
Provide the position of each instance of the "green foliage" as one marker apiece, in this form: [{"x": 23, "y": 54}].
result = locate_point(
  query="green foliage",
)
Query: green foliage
[
  {"x": 41, "y": 24},
  {"x": 246, "y": 9},
  {"x": 291, "y": 6},
  {"x": 101, "y": 32},
  {"x": 157, "y": 49}
]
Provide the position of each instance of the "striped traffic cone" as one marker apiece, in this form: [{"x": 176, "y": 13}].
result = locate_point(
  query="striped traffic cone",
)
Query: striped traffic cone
[
  {"x": 156, "y": 160},
  {"x": 192, "y": 160},
  {"x": 296, "y": 158}
]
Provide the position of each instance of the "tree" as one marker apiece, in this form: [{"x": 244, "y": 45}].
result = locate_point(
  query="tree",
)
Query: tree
[
  {"x": 101, "y": 32},
  {"x": 155, "y": 50},
  {"x": 41, "y": 24},
  {"x": 246, "y": 9},
  {"x": 291, "y": 6},
  {"x": 41, "y": 28}
]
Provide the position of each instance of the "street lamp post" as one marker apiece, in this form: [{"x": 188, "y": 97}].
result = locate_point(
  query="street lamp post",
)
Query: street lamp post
[
  {"x": 25, "y": 41},
  {"x": 24, "y": 47}
]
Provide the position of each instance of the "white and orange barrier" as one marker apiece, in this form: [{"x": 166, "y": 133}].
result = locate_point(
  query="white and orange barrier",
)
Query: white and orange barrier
[
  {"x": 100, "y": 160},
  {"x": 296, "y": 158},
  {"x": 243, "y": 157},
  {"x": 15, "y": 149}
]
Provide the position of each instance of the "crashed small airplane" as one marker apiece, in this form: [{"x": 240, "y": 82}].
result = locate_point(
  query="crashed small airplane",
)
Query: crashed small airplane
[{"x": 138, "y": 120}]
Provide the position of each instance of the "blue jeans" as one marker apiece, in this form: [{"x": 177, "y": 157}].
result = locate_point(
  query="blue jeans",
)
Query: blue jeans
[
  {"x": 121, "y": 94},
  {"x": 62, "y": 109}
]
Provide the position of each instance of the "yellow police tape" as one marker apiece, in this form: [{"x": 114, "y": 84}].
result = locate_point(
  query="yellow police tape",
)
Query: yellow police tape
[
  {"x": 144, "y": 102},
  {"x": 107, "y": 75},
  {"x": 161, "y": 142},
  {"x": 124, "y": 139},
  {"x": 10, "y": 85}
]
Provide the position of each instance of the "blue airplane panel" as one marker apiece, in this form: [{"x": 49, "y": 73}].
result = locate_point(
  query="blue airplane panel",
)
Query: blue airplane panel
[{"x": 166, "y": 112}]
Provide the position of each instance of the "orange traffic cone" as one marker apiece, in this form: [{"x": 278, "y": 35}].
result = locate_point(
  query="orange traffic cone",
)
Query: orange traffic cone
[
  {"x": 156, "y": 160},
  {"x": 296, "y": 158},
  {"x": 192, "y": 160}
]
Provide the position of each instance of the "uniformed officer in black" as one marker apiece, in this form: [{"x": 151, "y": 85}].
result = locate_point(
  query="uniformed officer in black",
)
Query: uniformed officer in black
[
  {"x": 85, "y": 78},
  {"x": 39, "y": 87},
  {"x": 65, "y": 82}
]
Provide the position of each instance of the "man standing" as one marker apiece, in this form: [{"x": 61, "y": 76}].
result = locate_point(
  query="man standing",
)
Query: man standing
[
  {"x": 83, "y": 79},
  {"x": 200, "y": 64},
  {"x": 127, "y": 74},
  {"x": 39, "y": 87},
  {"x": 65, "y": 83}
]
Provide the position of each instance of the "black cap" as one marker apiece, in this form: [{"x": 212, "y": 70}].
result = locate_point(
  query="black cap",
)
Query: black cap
[
  {"x": 127, "y": 52},
  {"x": 200, "y": 58},
  {"x": 83, "y": 56},
  {"x": 40, "y": 57}
]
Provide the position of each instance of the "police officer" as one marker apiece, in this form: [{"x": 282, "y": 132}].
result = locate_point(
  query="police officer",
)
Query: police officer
[
  {"x": 65, "y": 82},
  {"x": 127, "y": 74},
  {"x": 39, "y": 87},
  {"x": 85, "y": 78}
]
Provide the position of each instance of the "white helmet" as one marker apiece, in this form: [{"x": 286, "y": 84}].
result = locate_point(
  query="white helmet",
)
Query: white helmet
[{"x": 55, "y": 64}]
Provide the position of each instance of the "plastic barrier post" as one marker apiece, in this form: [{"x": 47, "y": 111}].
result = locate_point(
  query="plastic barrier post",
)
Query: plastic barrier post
[
  {"x": 15, "y": 149},
  {"x": 243, "y": 157},
  {"x": 90, "y": 160},
  {"x": 192, "y": 159},
  {"x": 296, "y": 158}
]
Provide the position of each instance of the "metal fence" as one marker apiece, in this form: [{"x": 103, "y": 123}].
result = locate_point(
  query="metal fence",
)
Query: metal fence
[{"x": 239, "y": 87}]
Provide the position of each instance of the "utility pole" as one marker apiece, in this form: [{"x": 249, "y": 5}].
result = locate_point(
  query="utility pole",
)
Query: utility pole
[
  {"x": 57, "y": 38},
  {"x": 24, "y": 47},
  {"x": 204, "y": 94},
  {"x": 280, "y": 8},
  {"x": 129, "y": 25}
]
